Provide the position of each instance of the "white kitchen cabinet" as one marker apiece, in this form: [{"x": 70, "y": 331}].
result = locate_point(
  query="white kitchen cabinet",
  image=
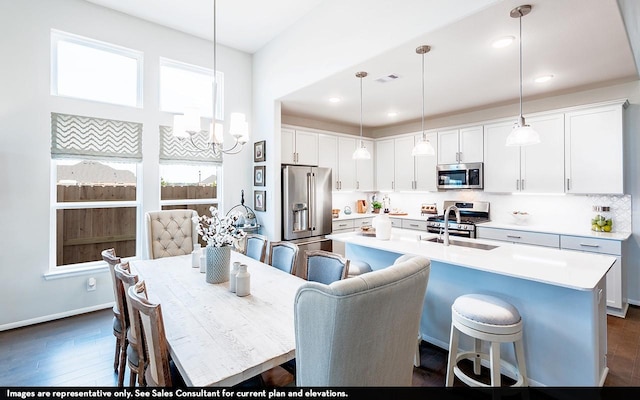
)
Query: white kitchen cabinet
[
  {"x": 537, "y": 168},
  {"x": 616, "y": 296},
  {"x": 414, "y": 224},
  {"x": 385, "y": 160},
  {"x": 336, "y": 152},
  {"x": 593, "y": 150},
  {"x": 299, "y": 147},
  {"x": 414, "y": 173},
  {"x": 518, "y": 236},
  {"x": 347, "y": 225},
  {"x": 365, "y": 168},
  {"x": 464, "y": 145}
]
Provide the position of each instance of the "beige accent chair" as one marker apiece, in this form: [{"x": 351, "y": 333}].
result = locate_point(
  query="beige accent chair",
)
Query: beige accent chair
[
  {"x": 361, "y": 331},
  {"x": 170, "y": 233}
]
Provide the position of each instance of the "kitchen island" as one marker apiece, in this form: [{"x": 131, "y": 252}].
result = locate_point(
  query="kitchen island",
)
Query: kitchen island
[{"x": 560, "y": 295}]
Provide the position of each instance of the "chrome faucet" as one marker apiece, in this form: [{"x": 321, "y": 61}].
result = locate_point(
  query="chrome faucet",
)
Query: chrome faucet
[{"x": 445, "y": 240}]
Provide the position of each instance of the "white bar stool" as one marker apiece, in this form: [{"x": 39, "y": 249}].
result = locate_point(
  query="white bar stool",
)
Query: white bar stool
[{"x": 490, "y": 319}]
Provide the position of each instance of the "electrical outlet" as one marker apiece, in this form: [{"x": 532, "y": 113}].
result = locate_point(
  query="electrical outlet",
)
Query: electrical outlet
[{"x": 91, "y": 284}]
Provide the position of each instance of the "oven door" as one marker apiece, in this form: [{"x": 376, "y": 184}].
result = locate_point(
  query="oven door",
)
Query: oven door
[{"x": 452, "y": 232}]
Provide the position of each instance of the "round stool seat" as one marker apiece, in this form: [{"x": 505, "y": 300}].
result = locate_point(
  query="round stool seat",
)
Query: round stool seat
[
  {"x": 486, "y": 313},
  {"x": 357, "y": 267},
  {"x": 485, "y": 319}
]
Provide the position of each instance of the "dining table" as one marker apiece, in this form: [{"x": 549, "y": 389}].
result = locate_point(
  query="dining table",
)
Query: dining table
[{"x": 215, "y": 337}]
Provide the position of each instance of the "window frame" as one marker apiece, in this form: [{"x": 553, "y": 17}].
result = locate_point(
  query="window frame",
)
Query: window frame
[
  {"x": 57, "y": 271},
  {"x": 167, "y": 62},
  {"x": 58, "y": 36},
  {"x": 180, "y": 202}
]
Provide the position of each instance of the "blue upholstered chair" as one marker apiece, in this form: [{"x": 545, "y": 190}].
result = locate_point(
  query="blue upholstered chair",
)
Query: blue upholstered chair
[
  {"x": 283, "y": 255},
  {"x": 360, "y": 331},
  {"x": 325, "y": 267},
  {"x": 256, "y": 246}
]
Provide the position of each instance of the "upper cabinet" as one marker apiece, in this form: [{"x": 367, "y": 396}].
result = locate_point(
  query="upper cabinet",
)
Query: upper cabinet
[
  {"x": 385, "y": 161},
  {"x": 336, "y": 152},
  {"x": 299, "y": 147},
  {"x": 464, "y": 145},
  {"x": 593, "y": 150},
  {"x": 537, "y": 168}
]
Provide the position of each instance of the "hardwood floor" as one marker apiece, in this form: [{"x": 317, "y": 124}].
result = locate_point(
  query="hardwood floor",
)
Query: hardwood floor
[{"x": 79, "y": 351}]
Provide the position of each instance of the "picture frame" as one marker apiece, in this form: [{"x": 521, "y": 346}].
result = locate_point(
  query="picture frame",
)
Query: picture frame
[
  {"x": 259, "y": 175},
  {"x": 260, "y": 200},
  {"x": 259, "y": 151}
]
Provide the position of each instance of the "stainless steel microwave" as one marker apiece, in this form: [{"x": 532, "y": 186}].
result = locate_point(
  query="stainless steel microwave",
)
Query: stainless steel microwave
[{"x": 460, "y": 176}]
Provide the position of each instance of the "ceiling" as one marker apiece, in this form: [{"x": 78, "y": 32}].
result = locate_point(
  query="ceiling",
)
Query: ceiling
[{"x": 582, "y": 43}]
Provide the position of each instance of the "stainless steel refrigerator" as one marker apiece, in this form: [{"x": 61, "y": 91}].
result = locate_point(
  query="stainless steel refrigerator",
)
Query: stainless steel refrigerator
[{"x": 306, "y": 208}]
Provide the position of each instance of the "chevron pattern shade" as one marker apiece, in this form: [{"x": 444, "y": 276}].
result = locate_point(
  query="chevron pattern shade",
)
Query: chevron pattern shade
[
  {"x": 74, "y": 136},
  {"x": 173, "y": 149}
]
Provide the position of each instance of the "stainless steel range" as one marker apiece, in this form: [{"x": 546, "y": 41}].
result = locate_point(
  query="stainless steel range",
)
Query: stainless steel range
[{"x": 471, "y": 213}]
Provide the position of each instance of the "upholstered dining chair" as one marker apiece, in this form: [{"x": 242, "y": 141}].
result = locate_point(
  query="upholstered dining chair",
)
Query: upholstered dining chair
[
  {"x": 120, "y": 319},
  {"x": 360, "y": 331},
  {"x": 283, "y": 255},
  {"x": 416, "y": 359},
  {"x": 256, "y": 246},
  {"x": 171, "y": 232},
  {"x": 324, "y": 266},
  {"x": 135, "y": 350},
  {"x": 158, "y": 371}
]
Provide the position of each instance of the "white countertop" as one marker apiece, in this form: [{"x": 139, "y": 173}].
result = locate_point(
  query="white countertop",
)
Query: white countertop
[
  {"x": 559, "y": 230},
  {"x": 344, "y": 217},
  {"x": 571, "y": 269}
]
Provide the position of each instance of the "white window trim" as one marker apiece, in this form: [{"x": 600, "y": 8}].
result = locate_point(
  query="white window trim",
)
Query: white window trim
[
  {"x": 57, "y": 36},
  {"x": 65, "y": 271}
]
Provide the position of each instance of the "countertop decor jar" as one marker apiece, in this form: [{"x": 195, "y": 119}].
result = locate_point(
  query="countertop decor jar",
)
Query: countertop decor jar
[
  {"x": 243, "y": 281},
  {"x": 602, "y": 220}
]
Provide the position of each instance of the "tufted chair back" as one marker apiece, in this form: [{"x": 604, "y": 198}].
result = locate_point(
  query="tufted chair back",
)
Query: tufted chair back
[{"x": 171, "y": 233}]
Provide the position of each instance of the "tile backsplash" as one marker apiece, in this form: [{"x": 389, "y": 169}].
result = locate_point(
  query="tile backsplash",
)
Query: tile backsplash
[{"x": 573, "y": 212}]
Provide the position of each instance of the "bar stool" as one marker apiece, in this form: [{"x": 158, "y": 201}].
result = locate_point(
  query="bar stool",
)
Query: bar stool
[
  {"x": 490, "y": 319},
  {"x": 357, "y": 267}
]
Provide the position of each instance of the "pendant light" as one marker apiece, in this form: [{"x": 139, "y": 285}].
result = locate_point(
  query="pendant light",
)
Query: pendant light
[
  {"x": 186, "y": 126},
  {"x": 423, "y": 147},
  {"x": 522, "y": 134},
  {"x": 361, "y": 152}
]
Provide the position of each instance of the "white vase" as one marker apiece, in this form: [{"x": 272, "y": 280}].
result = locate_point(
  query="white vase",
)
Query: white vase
[
  {"x": 217, "y": 263},
  {"x": 382, "y": 225},
  {"x": 243, "y": 287}
]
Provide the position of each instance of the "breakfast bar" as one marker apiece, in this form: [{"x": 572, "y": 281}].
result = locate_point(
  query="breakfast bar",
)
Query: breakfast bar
[{"x": 560, "y": 295}]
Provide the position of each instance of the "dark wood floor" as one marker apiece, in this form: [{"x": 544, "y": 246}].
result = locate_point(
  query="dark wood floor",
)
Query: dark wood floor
[{"x": 79, "y": 351}]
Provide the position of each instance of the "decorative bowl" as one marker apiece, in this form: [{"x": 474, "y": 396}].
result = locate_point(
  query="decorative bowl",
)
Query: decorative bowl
[{"x": 521, "y": 217}]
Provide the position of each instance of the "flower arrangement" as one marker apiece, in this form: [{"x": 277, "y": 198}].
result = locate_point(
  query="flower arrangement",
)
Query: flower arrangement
[{"x": 218, "y": 230}]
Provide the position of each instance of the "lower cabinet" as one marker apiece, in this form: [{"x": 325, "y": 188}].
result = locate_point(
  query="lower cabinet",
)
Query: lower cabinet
[
  {"x": 616, "y": 296},
  {"x": 347, "y": 225},
  {"x": 517, "y": 236}
]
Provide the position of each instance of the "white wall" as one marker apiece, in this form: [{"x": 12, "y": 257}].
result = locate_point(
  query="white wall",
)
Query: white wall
[{"x": 25, "y": 107}]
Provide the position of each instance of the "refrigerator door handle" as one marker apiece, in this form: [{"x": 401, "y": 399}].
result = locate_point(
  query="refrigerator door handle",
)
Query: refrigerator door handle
[{"x": 310, "y": 200}]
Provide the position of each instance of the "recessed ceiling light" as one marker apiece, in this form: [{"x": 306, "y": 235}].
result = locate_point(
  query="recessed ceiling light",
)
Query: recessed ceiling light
[
  {"x": 502, "y": 42},
  {"x": 392, "y": 114},
  {"x": 542, "y": 79},
  {"x": 335, "y": 100}
]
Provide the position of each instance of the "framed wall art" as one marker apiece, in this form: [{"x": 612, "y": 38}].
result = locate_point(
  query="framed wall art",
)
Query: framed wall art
[
  {"x": 259, "y": 175},
  {"x": 260, "y": 200},
  {"x": 259, "y": 151}
]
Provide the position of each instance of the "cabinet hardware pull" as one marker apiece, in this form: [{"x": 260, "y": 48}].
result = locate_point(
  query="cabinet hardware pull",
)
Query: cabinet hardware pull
[
  {"x": 357, "y": 184},
  {"x": 521, "y": 184},
  {"x": 568, "y": 185},
  {"x": 341, "y": 225},
  {"x": 514, "y": 237},
  {"x": 589, "y": 245},
  {"x": 414, "y": 225},
  {"x": 517, "y": 184},
  {"x": 393, "y": 185}
]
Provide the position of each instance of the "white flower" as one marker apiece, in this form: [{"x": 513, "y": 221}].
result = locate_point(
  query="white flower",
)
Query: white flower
[{"x": 218, "y": 230}]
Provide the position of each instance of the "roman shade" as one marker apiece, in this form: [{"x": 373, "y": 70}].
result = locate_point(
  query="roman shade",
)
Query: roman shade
[{"x": 173, "y": 149}]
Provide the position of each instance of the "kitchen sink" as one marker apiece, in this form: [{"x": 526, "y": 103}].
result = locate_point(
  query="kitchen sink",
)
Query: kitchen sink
[{"x": 473, "y": 245}]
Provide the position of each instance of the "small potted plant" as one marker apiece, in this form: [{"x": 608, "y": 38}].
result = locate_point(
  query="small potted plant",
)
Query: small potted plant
[{"x": 376, "y": 206}]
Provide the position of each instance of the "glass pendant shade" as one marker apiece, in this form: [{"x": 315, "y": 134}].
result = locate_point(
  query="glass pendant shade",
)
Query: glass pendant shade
[
  {"x": 423, "y": 148},
  {"x": 361, "y": 153},
  {"x": 522, "y": 135}
]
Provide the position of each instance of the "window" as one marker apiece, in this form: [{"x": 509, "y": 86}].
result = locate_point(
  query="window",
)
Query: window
[
  {"x": 92, "y": 70},
  {"x": 189, "y": 186},
  {"x": 184, "y": 85},
  {"x": 96, "y": 203}
]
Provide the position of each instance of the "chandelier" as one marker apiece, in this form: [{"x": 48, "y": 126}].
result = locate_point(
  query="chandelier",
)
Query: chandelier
[{"x": 188, "y": 125}]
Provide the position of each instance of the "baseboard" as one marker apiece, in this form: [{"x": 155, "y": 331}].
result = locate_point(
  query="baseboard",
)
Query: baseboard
[
  {"x": 52, "y": 317},
  {"x": 633, "y": 302}
]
